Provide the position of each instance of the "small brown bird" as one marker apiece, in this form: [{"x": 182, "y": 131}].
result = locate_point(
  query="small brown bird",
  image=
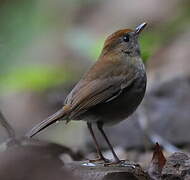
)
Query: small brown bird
[{"x": 110, "y": 91}]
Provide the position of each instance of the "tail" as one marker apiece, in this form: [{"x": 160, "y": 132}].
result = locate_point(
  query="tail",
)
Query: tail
[{"x": 61, "y": 114}]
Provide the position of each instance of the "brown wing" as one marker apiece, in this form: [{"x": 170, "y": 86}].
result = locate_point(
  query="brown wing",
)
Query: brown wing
[
  {"x": 97, "y": 86},
  {"x": 88, "y": 94}
]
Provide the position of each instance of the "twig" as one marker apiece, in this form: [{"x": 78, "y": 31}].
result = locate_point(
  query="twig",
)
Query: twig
[
  {"x": 10, "y": 131},
  {"x": 150, "y": 134}
]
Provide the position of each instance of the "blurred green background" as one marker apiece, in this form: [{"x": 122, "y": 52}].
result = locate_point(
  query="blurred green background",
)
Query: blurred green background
[
  {"x": 29, "y": 29},
  {"x": 45, "y": 47}
]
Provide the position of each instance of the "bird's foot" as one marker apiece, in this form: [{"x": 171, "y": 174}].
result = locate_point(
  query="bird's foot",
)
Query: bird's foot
[
  {"x": 115, "y": 162},
  {"x": 100, "y": 159},
  {"x": 122, "y": 163}
]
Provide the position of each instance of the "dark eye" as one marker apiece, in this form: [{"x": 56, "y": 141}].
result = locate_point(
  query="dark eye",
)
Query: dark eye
[{"x": 126, "y": 37}]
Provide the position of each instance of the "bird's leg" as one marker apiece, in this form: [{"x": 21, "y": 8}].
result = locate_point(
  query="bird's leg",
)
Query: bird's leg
[
  {"x": 100, "y": 127},
  {"x": 101, "y": 157}
]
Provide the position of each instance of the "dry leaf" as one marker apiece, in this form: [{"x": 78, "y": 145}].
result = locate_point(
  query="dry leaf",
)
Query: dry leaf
[{"x": 157, "y": 163}]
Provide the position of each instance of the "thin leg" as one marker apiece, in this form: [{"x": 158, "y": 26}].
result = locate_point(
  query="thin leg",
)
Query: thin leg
[
  {"x": 100, "y": 127},
  {"x": 101, "y": 157}
]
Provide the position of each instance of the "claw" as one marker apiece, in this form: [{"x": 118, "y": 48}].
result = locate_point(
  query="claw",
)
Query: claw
[
  {"x": 99, "y": 160},
  {"x": 120, "y": 163}
]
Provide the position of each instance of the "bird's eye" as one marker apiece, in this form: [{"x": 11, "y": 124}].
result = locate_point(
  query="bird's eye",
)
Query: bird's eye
[{"x": 126, "y": 37}]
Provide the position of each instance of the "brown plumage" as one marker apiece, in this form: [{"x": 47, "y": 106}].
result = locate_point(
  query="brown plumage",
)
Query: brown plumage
[{"x": 110, "y": 91}]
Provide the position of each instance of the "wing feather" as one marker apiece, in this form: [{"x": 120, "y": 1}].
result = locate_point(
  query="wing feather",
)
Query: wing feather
[{"x": 92, "y": 93}]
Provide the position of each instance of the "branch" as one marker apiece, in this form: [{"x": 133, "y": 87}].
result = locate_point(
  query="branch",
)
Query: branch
[
  {"x": 150, "y": 134},
  {"x": 10, "y": 131}
]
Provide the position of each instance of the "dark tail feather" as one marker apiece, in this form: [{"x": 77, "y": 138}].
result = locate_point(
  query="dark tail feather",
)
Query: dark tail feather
[{"x": 47, "y": 122}]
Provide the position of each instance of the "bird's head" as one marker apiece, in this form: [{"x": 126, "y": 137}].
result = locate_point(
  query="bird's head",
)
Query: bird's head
[{"x": 124, "y": 41}]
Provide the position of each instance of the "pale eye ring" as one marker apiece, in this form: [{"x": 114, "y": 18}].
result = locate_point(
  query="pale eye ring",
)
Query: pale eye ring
[{"x": 126, "y": 38}]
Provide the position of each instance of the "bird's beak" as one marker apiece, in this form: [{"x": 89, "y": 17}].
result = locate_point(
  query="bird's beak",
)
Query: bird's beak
[{"x": 139, "y": 28}]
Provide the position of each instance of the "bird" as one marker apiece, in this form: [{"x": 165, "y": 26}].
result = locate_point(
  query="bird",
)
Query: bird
[{"x": 109, "y": 92}]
